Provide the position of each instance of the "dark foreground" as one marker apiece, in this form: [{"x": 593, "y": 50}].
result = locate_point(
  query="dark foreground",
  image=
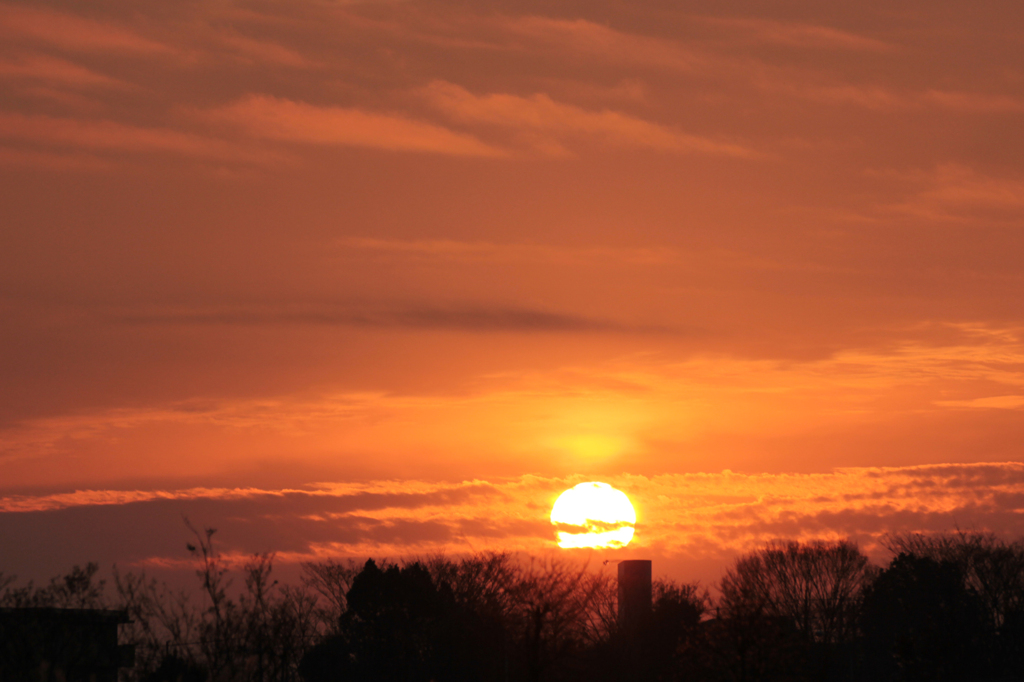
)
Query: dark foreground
[{"x": 946, "y": 607}]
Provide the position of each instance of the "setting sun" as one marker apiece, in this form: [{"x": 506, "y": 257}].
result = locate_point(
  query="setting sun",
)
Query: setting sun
[{"x": 593, "y": 515}]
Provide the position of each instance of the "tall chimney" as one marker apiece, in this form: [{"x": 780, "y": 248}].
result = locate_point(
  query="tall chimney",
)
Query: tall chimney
[{"x": 634, "y": 594}]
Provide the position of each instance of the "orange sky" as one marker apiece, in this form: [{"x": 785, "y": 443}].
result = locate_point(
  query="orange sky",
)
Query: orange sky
[{"x": 479, "y": 252}]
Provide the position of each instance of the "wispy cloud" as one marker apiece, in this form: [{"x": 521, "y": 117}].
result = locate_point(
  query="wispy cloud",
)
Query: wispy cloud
[
  {"x": 1000, "y": 402},
  {"x": 882, "y": 97},
  {"x": 448, "y": 249},
  {"x": 41, "y": 67},
  {"x": 465, "y": 318},
  {"x": 262, "y": 51},
  {"x": 327, "y": 499},
  {"x": 286, "y": 120},
  {"x": 603, "y": 43},
  {"x": 794, "y": 34},
  {"x": 68, "y": 31},
  {"x": 113, "y": 136},
  {"x": 974, "y": 102},
  {"x": 58, "y": 161},
  {"x": 953, "y": 192},
  {"x": 548, "y": 125}
]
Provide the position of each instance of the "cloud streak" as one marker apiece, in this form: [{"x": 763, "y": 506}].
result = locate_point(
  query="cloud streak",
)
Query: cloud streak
[
  {"x": 603, "y": 43},
  {"x": 680, "y": 516},
  {"x": 298, "y": 122},
  {"x": 469, "y": 319},
  {"x": 953, "y": 192},
  {"x": 72, "y": 32},
  {"x": 795, "y": 34},
  {"x": 38, "y": 67},
  {"x": 112, "y": 136},
  {"x": 554, "y": 122}
]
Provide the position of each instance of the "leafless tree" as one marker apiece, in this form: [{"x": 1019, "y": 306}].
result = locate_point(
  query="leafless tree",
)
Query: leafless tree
[
  {"x": 553, "y": 602},
  {"x": 816, "y": 586},
  {"x": 331, "y": 579},
  {"x": 992, "y": 568},
  {"x": 163, "y": 622},
  {"x": 483, "y": 582},
  {"x": 77, "y": 589}
]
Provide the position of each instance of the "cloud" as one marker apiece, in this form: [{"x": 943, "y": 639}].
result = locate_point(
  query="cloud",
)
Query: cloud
[
  {"x": 635, "y": 411},
  {"x": 53, "y": 160},
  {"x": 467, "y": 251},
  {"x": 603, "y": 43},
  {"x": 549, "y": 124},
  {"x": 879, "y": 97},
  {"x": 795, "y": 34},
  {"x": 472, "y": 319},
  {"x": 953, "y": 192},
  {"x": 72, "y": 32},
  {"x": 874, "y": 97},
  {"x": 51, "y": 69},
  {"x": 974, "y": 102},
  {"x": 714, "y": 515},
  {"x": 263, "y": 51},
  {"x": 282, "y": 119},
  {"x": 1002, "y": 402},
  {"x": 112, "y": 136},
  {"x": 326, "y": 500}
]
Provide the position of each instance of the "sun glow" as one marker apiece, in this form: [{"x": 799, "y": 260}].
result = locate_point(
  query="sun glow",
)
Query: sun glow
[
  {"x": 592, "y": 446},
  {"x": 593, "y": 515}
]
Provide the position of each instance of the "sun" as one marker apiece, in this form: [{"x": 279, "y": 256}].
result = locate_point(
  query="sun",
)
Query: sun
[{"x": 593, "y": 515}]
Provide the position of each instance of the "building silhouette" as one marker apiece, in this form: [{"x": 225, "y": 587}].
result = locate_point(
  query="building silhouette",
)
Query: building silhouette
[{"x": 65, "y": 645}]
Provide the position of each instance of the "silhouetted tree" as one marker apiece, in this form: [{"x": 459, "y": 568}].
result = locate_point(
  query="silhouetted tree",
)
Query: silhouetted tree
[
  {"x": 745, "y": 642},
  {"x": 791, "y": 607},
  {"x": 921, "y": 622},
  {"x": 163, "y": 625},
  {"x": 257, "y": 634},
  {"x": 484, "y": 617},
  {"x": 553, "y": 607},
  {"x": 674, "y": 634},
  {"x": 331, "y": 579},
  {"x": 389, "y": 632},
  {"x": 174, "y": 668},
  {"x": 991, "y": 569},
  {"x": 480, "y": 632},
  {"x": 219, "y": 628},
  {"x": 77, "y": 589}
]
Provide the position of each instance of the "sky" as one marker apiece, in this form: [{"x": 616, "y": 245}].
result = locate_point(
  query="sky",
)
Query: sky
[{"x": 383, "y": 278}]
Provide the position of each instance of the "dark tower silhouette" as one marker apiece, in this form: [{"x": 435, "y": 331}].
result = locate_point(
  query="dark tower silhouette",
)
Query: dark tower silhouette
[{"x": 634, "y": 594}]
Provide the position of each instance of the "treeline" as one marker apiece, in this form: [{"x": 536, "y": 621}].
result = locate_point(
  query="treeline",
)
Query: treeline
[{"x": 947, "y": 607}]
